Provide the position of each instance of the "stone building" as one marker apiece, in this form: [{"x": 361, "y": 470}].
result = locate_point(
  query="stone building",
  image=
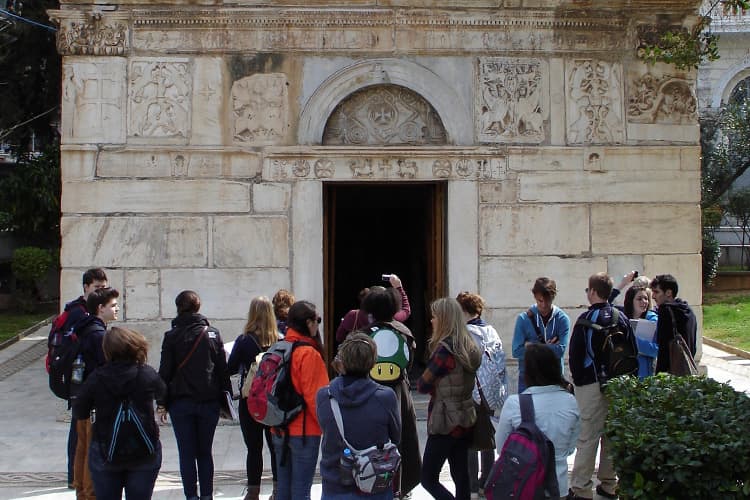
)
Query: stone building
[{"x": 239, "y": 147}]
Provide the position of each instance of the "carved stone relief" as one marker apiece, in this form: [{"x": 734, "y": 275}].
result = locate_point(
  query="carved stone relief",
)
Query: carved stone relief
[
  {"x": 260, "y": 104},
  {"x": 386, "y": 168},
  {"x": 666, "y": 99},
  {"x": 160, "y": 99},
  {"x": 93, "y": 94},
  {"x": 93, "y": 36},
  {"x": 384, "y": 115},
  {"x": 513, "y": 100},
  {"x": 594, "y": 102}
]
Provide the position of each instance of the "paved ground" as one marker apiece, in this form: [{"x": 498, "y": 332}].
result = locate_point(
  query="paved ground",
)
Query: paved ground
[{"x": 33, "y": 460}]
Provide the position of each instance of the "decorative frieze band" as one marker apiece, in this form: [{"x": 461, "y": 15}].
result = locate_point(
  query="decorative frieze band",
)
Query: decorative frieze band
[
  {"x": 379, "y": 167},
  {"x": 92, "y": 33}
]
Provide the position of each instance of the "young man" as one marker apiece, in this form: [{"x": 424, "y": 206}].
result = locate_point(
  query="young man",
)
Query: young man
[
  {"x": 547, "y": 323},
  {"x": 102, "y": 307},
  {"x": 674, "y": 314},
  {"x": 93, "y": 279},
  {"x": 585, "y": 366}
]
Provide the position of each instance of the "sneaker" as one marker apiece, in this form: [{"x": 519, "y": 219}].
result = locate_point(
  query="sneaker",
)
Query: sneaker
[{"x": 602, "y": 493}]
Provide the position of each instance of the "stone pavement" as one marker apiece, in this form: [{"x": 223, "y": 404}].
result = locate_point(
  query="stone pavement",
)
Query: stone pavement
[{"x": 33, "y": 441}]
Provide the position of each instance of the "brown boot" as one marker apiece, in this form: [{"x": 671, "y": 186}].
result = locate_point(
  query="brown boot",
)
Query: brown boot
[
  {"x": 273, "y": 493},
  {"x": 253, "y": 493}
]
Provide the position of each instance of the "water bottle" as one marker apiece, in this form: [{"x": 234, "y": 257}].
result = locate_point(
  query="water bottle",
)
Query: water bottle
[
  {"x": 346, "y": 466},
  {"x": 78, "y": 367}
]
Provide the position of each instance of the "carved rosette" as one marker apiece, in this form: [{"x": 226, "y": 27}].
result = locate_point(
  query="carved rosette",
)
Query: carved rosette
[
  {"x": 594, "y": 105},
  {"x": 666, "y": 100},
  {"x": 260, "y": 105},
  {"x": 512, "y": 100},
  {"x": 95, "y": 35},
  {"x": 160, "y": 99},
  {"x": 384, "y": 115}
]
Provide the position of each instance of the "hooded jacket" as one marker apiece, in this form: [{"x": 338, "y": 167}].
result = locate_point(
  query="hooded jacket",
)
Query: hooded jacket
[
  {"x": 107, "y": 387},
  {"x": 684, "y": 323},
  {"x": 90, "y": 331},
  {"x": 557, "y": 326},
  {"x": 370, "y": 415},
  {"x": 205, "y": 375}
]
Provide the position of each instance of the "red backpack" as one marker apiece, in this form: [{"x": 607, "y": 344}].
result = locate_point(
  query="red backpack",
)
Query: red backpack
[
  {"x": 272, "y": 399},
  {"x": 526, "y": 466}
]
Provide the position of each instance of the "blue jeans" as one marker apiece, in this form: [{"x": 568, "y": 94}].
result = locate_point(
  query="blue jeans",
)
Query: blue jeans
[
  {"x": 109, "y": 480},
  {"x": 194, "y": 425},
  {"x": 295, "y": 477},
  {"x": 386, "y": 495}
]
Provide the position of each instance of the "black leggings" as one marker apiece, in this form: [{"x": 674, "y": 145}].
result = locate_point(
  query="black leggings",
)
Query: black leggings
[
  {"x": 252, "y": 433},
  {"x": 438, "y": 448}
]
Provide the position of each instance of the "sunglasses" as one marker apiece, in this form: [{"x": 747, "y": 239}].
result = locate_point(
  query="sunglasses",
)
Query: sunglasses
[{"x": 317, "y": 319}]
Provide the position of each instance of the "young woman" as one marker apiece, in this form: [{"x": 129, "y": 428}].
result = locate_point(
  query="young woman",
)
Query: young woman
[
  {"x": 449, "y": 379},
  {"x": 282, "y": 301},
  {"x": 555, "y": 409},
  {"x": 639, "y": 305},
  {"x": 125, "y": 375},
  {"x": 259, "y": 334},
  {"x": 194, "y": 367},
  {"x": 297, "y": 454},
  {"x": 369, "y": 412}
]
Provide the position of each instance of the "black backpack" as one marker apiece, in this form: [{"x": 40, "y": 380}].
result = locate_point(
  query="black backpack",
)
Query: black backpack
[
  {"x": 64, "y": 346},
  {"x": 132, "y": 437},
  {"x": 619, "y": 351},
  {"x": 525, "y": 468}
]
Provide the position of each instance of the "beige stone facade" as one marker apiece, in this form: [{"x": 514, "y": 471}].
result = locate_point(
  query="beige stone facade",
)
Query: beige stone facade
[{"x": 198, "y": 151}]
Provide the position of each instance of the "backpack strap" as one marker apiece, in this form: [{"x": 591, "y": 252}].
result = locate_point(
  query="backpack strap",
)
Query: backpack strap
[
  {"x": 192, "y": 350},
  {"x": 532, "y": 318},
  {"x": 527, "y": 408}
]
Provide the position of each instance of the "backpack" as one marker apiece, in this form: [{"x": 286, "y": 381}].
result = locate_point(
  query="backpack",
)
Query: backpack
[
  {"x": 619, "y": 352},
  {"x": 248, "y": 373},
  {"x": 272, "y": 399},
  {"x": 128, "y": 441},
  {"x": 373, "y": 468},
  {"x": 64, "y": 346},
  {"x": 491, "y": 375},
  {"x": 525, "y": 468},
  {"x": 393, "y": 354}
]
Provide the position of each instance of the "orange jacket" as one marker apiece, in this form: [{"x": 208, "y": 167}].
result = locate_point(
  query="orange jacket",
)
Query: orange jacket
[{"x": 309, "y": 374}]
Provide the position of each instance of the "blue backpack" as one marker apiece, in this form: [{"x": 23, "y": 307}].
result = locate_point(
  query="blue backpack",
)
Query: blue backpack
[{"x": 525, "y": 468}]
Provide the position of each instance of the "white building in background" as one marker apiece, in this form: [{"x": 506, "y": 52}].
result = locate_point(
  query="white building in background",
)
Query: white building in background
[{"x": 720, "y": 82}]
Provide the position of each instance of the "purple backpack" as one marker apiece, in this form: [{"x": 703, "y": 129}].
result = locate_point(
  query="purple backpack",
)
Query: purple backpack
[{"x": 525, "y": 468}]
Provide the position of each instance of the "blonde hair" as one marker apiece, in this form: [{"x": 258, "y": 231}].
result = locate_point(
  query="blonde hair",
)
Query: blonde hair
[
  {"x": 262, "y": 322},
  {"x": 450, "y": 323},
  {"x": 121, "y": 344}
]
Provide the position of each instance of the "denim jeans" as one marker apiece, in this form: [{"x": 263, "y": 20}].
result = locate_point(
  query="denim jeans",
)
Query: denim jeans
[
  {"x": 109, "y": 481},
  {"x": 194, "y": 425},
  {"x": 438, "y": 448},
  {"x": 386, "y": 495},
  {"x": 295, "y": 477}
]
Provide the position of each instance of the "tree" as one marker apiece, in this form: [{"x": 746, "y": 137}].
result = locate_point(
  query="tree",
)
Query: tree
[
  {"x": 30, "y": 198},
  {"x": 688, "y": 48},
  {"x": 725, "y": 143},
  {"x": 739, "y": 208},
  {"x": 29, "y": 77}
]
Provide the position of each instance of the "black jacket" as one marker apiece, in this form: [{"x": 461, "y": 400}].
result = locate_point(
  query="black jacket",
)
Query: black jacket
[
  {"x": 582, "y": 367},
  {"x": 106, "y": 388},
  {"x": 685, "y": 324},
  {"x": 205, "y": 375},
  {"x": 90, "y": 332}
]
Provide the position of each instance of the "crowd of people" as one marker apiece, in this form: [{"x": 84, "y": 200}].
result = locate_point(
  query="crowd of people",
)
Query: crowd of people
[{"x": 368, "y": 402}]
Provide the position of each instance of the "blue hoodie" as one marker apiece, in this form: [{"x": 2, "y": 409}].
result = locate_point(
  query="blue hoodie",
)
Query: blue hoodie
[
  {"x": 370, "y": 415},
  {"x": 558, "y": 326}
]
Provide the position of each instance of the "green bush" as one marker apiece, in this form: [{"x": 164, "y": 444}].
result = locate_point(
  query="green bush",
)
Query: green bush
[
  {"x": 30, "y": 263},
  {"x": 679, "y": 437},
  {"x": 710, "y": 254}
]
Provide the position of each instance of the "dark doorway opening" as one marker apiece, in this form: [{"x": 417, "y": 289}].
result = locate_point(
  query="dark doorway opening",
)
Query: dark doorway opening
[{"x": 374, "y": 229}]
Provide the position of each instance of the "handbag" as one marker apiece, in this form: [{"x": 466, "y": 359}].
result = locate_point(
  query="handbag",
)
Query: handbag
[
  {"x": 681, "y": 362},
  {"x": 483, "y": 435}
]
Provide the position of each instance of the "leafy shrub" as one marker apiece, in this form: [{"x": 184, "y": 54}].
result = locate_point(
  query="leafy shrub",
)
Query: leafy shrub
[
  {"x": 679, "y": 437},
  {"x": 710, "y": 253},
  {"x": 30, "y": 263}
]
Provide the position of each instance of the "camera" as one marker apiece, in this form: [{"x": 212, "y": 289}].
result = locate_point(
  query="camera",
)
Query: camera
[
  {"x": 385, "y": 277},
  {"x": 635, "y": 275}
]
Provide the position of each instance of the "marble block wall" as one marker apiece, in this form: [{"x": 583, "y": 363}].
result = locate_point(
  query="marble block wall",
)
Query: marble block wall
[{"x": 197, "y": 142}]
